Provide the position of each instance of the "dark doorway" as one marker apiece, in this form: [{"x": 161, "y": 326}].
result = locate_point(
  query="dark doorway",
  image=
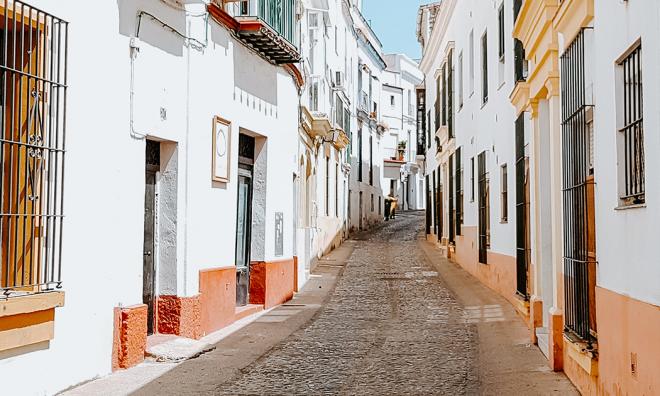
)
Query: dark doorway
[
  {"x": 152, "y": 166},
  {"x": 244, "y": 218}
]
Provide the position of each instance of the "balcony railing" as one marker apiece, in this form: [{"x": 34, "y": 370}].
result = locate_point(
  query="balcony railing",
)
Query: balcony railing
[
  {"x": 268, "y": 26},
  {"x": 279, "y": 15}
]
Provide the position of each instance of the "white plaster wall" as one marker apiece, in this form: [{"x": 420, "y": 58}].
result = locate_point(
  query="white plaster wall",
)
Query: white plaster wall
[
  {"x": 626, "y": 239},
  {"x": 479, "y": 127},
  {"x": 104, "y": 190}
]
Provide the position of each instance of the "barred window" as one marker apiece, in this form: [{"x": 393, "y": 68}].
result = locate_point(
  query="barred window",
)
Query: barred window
[
  {"x": 484, "y": 68},
  {"x": 632, "y": 131},
  {"x": 33, "y": 83},
  {"x": 504, "y": 192}
]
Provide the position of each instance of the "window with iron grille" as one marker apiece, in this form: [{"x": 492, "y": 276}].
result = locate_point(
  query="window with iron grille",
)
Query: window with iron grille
[
  {"x": 327, "y": 186},
  {"x": 450, "y": 95},
  {"x": 472, "y": 179},
  {"x": 371, "y": 160},
  {"x": 421, "y": 121},
  {"x": 33, "y": 67},
  {"x": 428, "y": 129},
  {"x": 459, "y": 191},
  {"x": 359, "y": 153},
  {"x": 460, "y": 81},
  {"x": 484, "y": 68},
  {"x": 520, "y": 63},
  {"x": 349, "y": 133},
  {"x": 439, "y": 206},
  {"x": 443, "y": 94},
  {"x": 631, "y": 139},
  {"x": 484, "y": 210},
  {"x": 504, "y": 193},
  {"x": 438, "y": 92},
  {"x": 451, "y": 195},
  {"x": 522, "y": 229},
  {"x": 500, "y": 20},
  {"x": 577, "y": 183},
  {"x": 428, "y": 205}
]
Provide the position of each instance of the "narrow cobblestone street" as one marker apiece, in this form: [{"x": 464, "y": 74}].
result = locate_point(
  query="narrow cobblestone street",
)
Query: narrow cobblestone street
[{"x": 391, "y": 326}]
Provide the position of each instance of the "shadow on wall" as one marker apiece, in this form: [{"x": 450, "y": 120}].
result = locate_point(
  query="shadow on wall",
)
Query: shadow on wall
[
  {"x": 255, "y": 81},
  {"x": 136, "y": 19}
]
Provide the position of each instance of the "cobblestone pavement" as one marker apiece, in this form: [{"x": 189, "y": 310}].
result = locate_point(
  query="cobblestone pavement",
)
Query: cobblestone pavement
[{"x": 391, "y": 326}]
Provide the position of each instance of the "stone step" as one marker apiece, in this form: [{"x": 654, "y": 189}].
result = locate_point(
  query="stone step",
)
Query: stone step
[{"x": 171, "y": 348}]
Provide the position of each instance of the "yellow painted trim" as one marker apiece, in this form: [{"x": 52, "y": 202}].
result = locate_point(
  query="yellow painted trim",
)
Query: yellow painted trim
[
  {"x": 520, "y": 96},
  {"x": 572, "y": 16},
  {"x": 31, "y": 303}
]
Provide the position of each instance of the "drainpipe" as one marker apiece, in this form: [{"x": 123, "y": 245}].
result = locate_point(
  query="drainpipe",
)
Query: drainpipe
[{"x": 185, "y": 205}]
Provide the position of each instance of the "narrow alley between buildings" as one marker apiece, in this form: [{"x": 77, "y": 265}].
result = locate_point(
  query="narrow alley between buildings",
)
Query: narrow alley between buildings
[{"x": 383, "y": 314}]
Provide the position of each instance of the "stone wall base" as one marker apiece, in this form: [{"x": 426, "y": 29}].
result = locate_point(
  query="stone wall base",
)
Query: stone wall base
[{"x": 130, "y": 336}]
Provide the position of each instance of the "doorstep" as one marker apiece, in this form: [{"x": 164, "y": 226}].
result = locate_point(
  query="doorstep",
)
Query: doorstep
[
  {"x": 247, "y": 310},
  {"x": 172, "y": 348}
]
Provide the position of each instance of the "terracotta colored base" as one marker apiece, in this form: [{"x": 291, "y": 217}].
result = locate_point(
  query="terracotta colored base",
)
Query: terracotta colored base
[
  {"x": 587, "y": 383},
  {"x": 271, "y": 283},
  {"x": 179, "y": 316},
  {"x": 130, "y": 336},
  {"x": 556, "y": 340},
  {"x": 628, "y": 344},
  {"x": 217, "y": 288},
  {"x": 535, "y": 317},
  {"x": 498, "y": 274},
  {"x": 295, "y": 274}
]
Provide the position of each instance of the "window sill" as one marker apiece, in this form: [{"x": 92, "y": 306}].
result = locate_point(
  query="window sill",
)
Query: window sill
[
  {"x": 632, "y": 206},
  {"x": 585, "y": 358},
  {"x": 29, "y": 303},
  {"x": 28, "y": 319}
]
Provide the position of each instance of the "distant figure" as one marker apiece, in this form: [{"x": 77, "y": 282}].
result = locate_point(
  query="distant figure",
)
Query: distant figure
[
  {"x": 388, "y": 205},
  {"x": 393, "y": 203}
]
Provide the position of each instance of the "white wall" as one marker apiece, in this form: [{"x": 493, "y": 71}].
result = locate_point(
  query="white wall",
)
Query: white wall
[
  {"x": 478, "y": 127},
  {"x": 104, "y": 190},
  {"x": 626, "y": 239}
]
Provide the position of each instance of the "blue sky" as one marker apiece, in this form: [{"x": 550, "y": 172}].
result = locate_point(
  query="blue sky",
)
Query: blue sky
[{"x": 395, "y": 21}]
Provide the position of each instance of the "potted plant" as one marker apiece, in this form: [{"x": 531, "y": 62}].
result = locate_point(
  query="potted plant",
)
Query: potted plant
[{"x": 401, "y": 149}]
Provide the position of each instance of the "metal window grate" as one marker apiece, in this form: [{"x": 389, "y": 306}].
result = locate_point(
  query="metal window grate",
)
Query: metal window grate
[
  {"x": 33, "y": 64},
  {"x": 522, "y": 232},
  {"x": 484, "y": 226},
  {"x": 458, "y": 186},
  {"x": 520, "y": 64},
  {"x": 421, "y": 121},
  {"x": 450, "y": 95},
  {"x": 504, "y": 216},
  {"x": 451, "y": 197},
  {"x": 428, "y": 206},
  {"x": 633, "y": 129},
  {"x": 484, "y": 68},
  {"x": 439, "y": 207},
  {"x": 444, "y": 95},
  {"x": 578, "y": 264},
  {"x": 501, "y": 35}
]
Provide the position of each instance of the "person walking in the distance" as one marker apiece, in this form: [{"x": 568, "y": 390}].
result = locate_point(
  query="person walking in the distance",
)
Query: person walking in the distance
[{"x": 391, "y": 203}]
